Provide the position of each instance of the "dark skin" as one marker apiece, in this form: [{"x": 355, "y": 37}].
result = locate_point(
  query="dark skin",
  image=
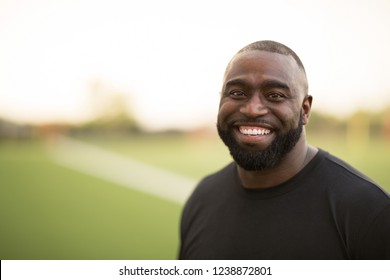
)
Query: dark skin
[{"x": 269, "y": 87}]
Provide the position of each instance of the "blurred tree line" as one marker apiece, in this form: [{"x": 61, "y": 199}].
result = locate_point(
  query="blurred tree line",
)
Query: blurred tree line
[
  {"x": 114, "y": 118},
  {"x": 112, "y": 115},
  {"x": 361, "y": 125},
  {"x": 111, "y": 112}
]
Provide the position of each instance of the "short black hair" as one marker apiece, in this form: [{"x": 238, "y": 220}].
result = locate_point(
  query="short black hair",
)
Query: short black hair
[{"x": 275, "y": 47}]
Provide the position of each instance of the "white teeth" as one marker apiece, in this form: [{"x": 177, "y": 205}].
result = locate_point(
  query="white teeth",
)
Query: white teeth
[{"x": 260, "y": 131}]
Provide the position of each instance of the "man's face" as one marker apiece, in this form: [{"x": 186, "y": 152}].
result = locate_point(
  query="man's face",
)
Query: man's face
[{"x": 262, "y": 109}]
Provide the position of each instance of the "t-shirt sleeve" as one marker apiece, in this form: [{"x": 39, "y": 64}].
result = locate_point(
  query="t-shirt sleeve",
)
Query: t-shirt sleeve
[{"x": 376, "y": 242}]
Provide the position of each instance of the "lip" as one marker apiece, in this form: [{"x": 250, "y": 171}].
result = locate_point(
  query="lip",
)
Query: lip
[{"x": 259, "y": 124}]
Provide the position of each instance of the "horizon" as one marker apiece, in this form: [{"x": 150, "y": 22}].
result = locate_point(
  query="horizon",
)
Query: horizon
[{"x": 168, "y": 63}]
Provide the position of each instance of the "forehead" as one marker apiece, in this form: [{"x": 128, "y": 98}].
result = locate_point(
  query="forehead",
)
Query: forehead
[{"x": 260, "y": 65}]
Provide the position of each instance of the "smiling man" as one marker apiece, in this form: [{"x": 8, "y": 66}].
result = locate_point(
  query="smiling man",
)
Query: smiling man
[{"x": 281, "y": 198}]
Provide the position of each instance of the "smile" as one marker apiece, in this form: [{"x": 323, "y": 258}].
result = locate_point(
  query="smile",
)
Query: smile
[{"x": 254, "y": 131}]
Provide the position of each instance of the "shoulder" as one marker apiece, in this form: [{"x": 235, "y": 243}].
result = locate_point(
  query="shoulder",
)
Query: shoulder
[
  {"x": 351, "y": 194},
  {"x": 343, "y": 178},
  {"x": 214, "y": 182},
  {"x": 210, "y": 189},
  {"x": 202, "y": 201},
  {"x": 358, "y": 205}
]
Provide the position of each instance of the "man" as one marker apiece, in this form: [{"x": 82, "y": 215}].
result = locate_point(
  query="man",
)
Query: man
[{"x": 281, "y": 198}]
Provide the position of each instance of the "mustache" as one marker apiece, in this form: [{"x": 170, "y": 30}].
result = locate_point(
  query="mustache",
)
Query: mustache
[{"x": 252, "y": 121}]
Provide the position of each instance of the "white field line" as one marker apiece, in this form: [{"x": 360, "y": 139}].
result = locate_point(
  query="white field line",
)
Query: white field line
[{"x": 122, "y": 170}]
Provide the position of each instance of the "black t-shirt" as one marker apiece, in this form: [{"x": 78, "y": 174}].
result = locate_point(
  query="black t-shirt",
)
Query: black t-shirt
[{"x": 328, "y": 210}]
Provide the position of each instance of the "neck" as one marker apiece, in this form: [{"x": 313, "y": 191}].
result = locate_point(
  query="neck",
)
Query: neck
[{"x": 289, "y": 166}]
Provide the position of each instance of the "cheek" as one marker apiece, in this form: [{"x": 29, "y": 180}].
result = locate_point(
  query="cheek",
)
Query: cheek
[
  {"x": 287, "y": 117},
  {"x": 293, "y": 119},
  {"x": 226, "y": 109}
]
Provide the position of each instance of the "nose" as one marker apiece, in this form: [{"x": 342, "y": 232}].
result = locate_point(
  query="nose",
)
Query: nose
[{"x": 254, "y": 107}]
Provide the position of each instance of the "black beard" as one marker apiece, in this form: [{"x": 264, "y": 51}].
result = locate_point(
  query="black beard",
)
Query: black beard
[{"x": 260, "y": 160}]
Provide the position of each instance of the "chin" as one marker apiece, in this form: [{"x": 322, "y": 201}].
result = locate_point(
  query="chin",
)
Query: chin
[{"x": 254, "y": 157}]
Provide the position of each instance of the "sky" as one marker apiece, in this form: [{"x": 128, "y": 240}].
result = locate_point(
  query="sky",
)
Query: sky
[{"x": 168, "y": 57}]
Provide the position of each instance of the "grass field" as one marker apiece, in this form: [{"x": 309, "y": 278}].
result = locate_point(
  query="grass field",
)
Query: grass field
[{"x": 51, "y": 212}]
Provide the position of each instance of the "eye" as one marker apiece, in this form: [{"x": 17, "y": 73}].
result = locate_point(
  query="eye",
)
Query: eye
[
  {"x": 275, "y": 96},
  {"x": 237, "y": 94}
]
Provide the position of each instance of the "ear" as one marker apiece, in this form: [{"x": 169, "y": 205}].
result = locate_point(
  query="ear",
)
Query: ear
[{"x": 306, "y": 108}]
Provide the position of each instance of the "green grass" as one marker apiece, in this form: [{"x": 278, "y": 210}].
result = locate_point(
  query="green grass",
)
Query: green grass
[
  {"x": 196, "y": 156},
  {"x": 192, "y": 156},
  {"x": 51, "y": 212}
]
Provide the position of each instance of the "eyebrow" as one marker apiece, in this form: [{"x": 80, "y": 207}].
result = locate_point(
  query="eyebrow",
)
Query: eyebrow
[{"x": 271, "y": 83}]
